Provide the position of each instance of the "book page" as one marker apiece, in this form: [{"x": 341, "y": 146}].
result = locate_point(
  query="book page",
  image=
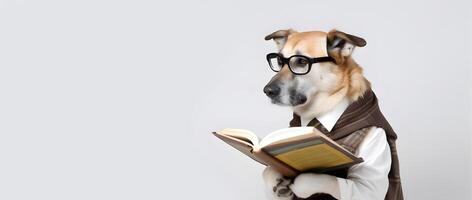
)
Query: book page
[
  {"x": 241, "y": 134},
  {"x": 241, "y": 145},
  {"x": 285, "y": 133},
  {"x": 243, "y": 140}
]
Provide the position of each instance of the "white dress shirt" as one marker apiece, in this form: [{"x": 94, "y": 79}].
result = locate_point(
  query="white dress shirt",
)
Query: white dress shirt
[{"x": 367, "y": 180}]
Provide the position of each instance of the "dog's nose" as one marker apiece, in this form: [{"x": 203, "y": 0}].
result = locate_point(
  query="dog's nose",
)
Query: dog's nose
[{"x": 272, "y": 90}]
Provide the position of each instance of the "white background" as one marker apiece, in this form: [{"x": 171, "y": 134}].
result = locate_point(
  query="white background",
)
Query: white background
[{"x": 116, "y": 99}]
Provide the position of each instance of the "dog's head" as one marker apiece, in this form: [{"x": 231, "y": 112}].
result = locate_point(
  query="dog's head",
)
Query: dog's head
[{"x": 290, "y": 89}]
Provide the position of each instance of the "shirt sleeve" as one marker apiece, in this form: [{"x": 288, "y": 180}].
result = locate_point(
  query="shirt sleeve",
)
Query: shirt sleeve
[{"x": 369, "y": 179}]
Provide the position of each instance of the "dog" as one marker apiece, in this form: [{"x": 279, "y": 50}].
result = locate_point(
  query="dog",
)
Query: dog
[
  {"x": 315, "y": 73},
  {"x": 327, "y": 83}
]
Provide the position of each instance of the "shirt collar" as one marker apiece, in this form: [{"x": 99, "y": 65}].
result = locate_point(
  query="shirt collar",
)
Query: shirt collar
[{"x": 329, "y": 119}]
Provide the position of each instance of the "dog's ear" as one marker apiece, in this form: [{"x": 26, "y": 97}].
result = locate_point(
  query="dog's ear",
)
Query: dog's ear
[
  {"x": 341, "y": 44},
  {"x": 280, "y": 37}
]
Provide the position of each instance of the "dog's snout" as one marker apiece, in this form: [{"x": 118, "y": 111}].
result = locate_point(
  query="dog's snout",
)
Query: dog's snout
[{"x": 272, "y": 90}]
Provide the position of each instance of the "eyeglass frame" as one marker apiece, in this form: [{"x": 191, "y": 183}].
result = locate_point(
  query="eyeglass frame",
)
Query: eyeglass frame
[{"x": 285, "y": 61}]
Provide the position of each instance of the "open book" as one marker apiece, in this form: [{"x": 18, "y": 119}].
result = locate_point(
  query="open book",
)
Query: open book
[{"x": 292, "y": 150}]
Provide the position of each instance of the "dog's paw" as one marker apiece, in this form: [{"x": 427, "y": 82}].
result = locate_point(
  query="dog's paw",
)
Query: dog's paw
[
  {"x": 278, "y": 185},
  {"x": 308, "y": 184},
  {"x": 271, "y": 177},
  {"x": 282, "y": 191}
]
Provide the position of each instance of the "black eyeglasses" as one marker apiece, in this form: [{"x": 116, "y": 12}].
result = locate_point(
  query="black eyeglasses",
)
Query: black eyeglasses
[{"x": 298, "y": 64}]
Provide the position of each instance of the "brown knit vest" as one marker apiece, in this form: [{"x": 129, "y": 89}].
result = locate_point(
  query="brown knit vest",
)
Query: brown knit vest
[{"x": 351, "y": 129}]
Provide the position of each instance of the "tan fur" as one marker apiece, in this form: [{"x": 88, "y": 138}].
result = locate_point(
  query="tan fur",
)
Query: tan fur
[
  {"x": 358, "y": 84},
  {"x": 352, "y": 79},
  {"x": 304, "y": 41}
]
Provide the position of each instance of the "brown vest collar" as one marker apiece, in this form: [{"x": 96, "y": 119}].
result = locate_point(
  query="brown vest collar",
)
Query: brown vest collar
[{"x": 360, "y": 114}]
